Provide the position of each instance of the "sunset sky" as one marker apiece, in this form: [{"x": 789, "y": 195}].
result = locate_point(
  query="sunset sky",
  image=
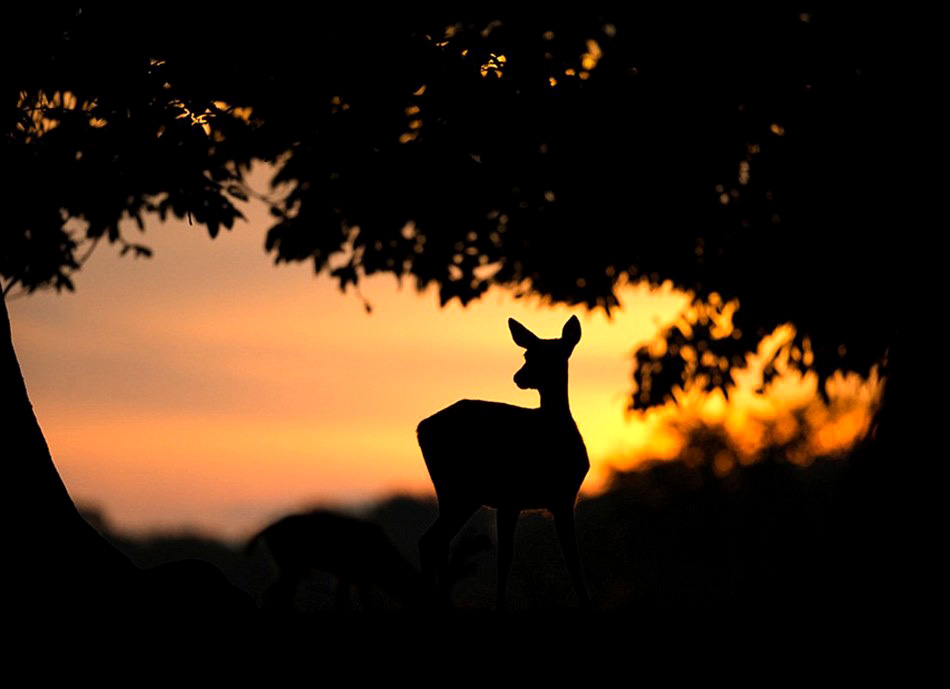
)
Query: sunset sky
[{"x": 208, "y": 388}]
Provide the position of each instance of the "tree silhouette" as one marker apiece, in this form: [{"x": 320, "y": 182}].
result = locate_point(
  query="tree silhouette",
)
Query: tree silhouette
[{"x": 751, "y": 156}]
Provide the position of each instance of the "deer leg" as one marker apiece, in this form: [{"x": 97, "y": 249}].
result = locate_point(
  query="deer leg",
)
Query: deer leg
[
  {"x": 564, "y": 523},
  {"x": 434, "y": 544},
  {"x": 506, "y": 521}
]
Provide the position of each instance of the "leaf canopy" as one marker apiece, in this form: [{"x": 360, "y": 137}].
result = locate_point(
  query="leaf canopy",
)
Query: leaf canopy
[{"x": 758, "y": 156}]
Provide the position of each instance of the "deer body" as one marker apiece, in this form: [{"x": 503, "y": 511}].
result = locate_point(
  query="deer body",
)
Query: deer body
[
  {"x": 531, "y": 458},
  {"x": 510, "y": 458}
]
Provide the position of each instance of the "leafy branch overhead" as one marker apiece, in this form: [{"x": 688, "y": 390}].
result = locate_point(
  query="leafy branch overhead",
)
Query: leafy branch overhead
[{"x": 746, "y": 157}]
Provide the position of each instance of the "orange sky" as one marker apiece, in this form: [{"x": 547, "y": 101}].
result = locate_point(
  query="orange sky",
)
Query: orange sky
[{"x": 207, "y": 387}]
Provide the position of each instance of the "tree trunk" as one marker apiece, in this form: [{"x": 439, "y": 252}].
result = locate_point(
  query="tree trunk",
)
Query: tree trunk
[{"x": 57, "y": 563}]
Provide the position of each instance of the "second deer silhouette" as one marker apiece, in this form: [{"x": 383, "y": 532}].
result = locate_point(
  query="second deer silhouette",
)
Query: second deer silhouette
[
  {"x": 355, "y": 551},
  {"x": 510, "y": 458}
]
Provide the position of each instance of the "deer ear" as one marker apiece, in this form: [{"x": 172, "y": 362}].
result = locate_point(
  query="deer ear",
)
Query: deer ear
[
  {"x": 571, "y": 332},
  {"x": 521, "y": 335}
]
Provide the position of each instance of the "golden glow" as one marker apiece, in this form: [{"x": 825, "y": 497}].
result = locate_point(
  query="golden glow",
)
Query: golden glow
[
  {"x": 744, "y": 172},
  {"x": 590, "y": 59},
  {"x": 43, "y": 107},
  {"x": 205, "y": 119},
  {"x": 244, "y": 114},
  {"x": 414, "y": 124},
  {"x": 787, "y": 412},
  {"x": 493, "y": 65},
  {"x": 723, "y": 463},
  {"x": 491, "y": 26}
]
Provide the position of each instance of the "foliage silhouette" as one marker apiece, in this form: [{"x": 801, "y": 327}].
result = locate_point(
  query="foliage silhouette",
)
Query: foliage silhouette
[{"x": 748, "y": 155}]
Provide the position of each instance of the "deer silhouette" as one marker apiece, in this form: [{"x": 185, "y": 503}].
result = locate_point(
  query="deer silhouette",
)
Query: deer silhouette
[
  {"x": 355, "y": 551},
  {"x": 510, "y": 458}
]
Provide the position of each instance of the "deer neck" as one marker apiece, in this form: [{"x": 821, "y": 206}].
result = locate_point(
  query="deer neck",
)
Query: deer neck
[{"x": 554, "y": 399}]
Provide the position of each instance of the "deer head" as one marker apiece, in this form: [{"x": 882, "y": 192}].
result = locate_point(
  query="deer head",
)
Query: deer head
[{"x": 545, "y": 361}]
